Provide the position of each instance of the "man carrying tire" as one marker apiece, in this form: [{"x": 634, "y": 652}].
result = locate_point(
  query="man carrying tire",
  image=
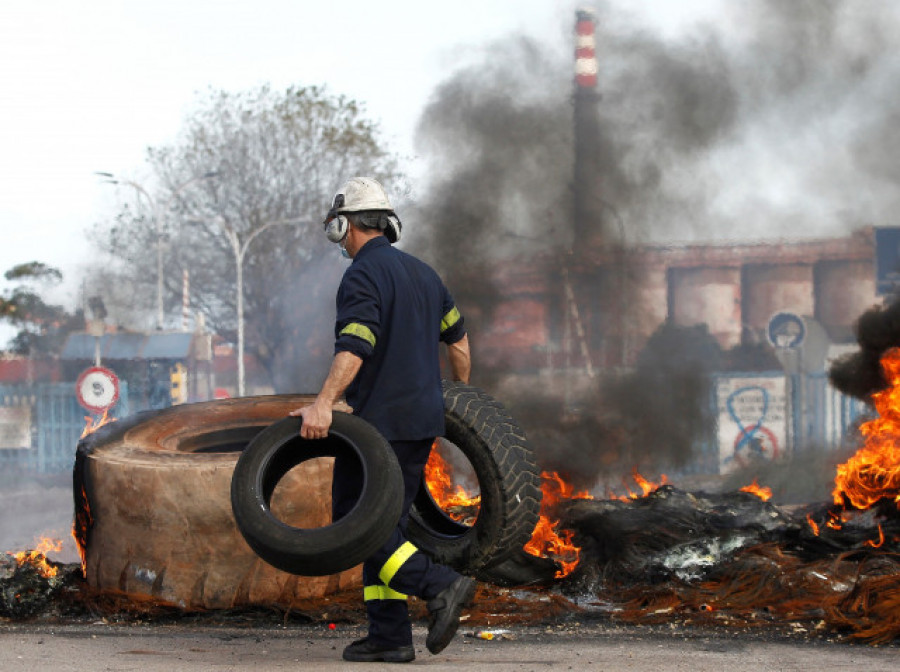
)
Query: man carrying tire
[{"x": 393, "y": 311}]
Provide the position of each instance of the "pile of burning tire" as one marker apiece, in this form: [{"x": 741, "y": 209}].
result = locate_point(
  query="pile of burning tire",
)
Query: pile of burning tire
[{"x": 154, "y": 496}]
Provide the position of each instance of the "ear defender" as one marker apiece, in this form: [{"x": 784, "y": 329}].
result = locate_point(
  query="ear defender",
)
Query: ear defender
[
  {"x": 336, "y": 228},
  {"x": 336, "y": 225},
  {"x": 393, "y": 228}
]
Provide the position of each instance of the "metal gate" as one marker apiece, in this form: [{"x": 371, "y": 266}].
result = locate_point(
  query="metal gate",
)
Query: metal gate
[
  {"x": 42, "y": 424},
  {"x": 830, "y": 415}
]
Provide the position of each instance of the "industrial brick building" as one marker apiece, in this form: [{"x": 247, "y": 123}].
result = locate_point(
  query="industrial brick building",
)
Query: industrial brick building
[{"x": 597, "y": 309}]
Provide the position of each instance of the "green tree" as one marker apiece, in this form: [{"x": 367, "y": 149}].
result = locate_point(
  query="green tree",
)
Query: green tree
[
  {"x": 254, "y": 170},
  {"x": 42, "y": 326}
]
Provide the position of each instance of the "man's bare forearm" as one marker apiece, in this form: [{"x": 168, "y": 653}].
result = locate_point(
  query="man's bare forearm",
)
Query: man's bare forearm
[
  {"x": 317, "y": 416},
  {"x": 460, "y": 359},
  {"x": 344, "y": 368}
]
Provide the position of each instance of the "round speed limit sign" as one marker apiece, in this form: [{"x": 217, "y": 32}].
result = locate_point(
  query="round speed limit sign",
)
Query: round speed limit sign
[{"x": 97, "y": 389}]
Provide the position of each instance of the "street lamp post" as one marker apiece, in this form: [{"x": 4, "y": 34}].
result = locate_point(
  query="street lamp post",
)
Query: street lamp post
[
  {"x": 240, "y": 248},
  {"x": 158, "y": 211}
]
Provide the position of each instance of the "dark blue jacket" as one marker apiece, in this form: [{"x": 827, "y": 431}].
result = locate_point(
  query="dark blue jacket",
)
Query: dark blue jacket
[{"x": 392, "y": 311}]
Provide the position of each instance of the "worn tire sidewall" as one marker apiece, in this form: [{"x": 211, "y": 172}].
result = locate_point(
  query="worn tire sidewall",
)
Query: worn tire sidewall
[
  {"x": 482, "y": 545},
  {"x": 341, "y": 544}
]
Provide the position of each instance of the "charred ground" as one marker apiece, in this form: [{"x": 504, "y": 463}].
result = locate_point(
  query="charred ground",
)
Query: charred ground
[{"x": 673, "y": 562}]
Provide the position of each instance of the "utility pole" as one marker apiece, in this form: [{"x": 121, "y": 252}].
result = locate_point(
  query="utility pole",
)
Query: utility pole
[
  {"x": 158, "y": 211},
  {"x": 239, "y": 248}
]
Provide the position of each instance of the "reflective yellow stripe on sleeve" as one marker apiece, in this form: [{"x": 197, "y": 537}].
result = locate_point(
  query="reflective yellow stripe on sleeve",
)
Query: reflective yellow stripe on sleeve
[
  {"x": 396, "y": 561},
  {"x": 360, "y": 331},
  {"x": 450, "y": 319},
  {"x": 381, "y": 593}
]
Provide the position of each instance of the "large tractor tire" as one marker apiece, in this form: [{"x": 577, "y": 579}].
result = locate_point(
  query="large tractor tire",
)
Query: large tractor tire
[
  {"x": 153, "y": 513},
  {"x": 508, "y": 479},
  {"x": 332, "y": 548},
  {"x": 153, "y": 510}
]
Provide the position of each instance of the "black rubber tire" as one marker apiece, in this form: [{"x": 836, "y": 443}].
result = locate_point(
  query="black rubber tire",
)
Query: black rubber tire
[
  {"x": 332, "y": 548},
  {"x": 508, "y": 478}
]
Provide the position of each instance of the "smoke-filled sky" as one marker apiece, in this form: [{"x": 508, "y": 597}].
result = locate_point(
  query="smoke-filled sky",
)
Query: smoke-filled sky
[
  {"x": 722, "y": 118},
  {"x": 767, "y": 119}
]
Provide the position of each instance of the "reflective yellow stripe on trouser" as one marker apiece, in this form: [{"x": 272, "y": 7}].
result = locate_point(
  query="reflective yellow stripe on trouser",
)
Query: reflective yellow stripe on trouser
[
  {"x": 381, "y": 593},
  {"x": 395, "y": 562}
]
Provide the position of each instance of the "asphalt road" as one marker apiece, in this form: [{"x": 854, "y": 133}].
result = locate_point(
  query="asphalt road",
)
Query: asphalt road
[{"x": 180, "y": 647}]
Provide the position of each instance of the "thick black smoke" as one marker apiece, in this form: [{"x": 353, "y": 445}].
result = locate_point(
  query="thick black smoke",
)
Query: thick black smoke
[
  {"x": 860, "y": 374},
  {"x": 782, "y": 112},
  {"x": 776, "y": 120},
  {"x": 500, "y": 147}
]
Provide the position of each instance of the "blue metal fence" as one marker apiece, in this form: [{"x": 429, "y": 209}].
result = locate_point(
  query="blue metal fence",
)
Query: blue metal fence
[
  {"x": 830, "y": 416},
  {"x": 57, "y": 421}
]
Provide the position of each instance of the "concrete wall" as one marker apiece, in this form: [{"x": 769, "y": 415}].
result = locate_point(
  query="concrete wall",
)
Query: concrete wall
[
  {"x": 651, "y": 300},
  {"x": 625, "y": 295},
  {"x": 775, "y": 288},
  {"x": 710, "y": 296},
  {"x": 843, "y": 291}
]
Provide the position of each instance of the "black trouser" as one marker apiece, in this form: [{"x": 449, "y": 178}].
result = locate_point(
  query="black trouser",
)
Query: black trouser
[{"x": 397, "y": 569}]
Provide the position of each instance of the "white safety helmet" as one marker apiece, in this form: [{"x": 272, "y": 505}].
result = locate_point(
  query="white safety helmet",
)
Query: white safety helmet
[{"x": 362, "y": 194}]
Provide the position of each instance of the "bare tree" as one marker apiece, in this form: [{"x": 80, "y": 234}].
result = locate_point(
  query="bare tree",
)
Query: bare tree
[{"x": 244, "y": 190}]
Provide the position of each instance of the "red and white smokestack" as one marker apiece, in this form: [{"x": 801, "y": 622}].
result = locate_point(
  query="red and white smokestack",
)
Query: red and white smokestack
[{"x": 585, "y": 58}]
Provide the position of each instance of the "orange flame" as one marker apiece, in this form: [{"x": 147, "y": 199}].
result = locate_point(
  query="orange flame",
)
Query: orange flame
[
  {"x": 812, "y": 524},
  {"x": 37, "y": 558},
  {"x": 92, "y": 426},
  {"x": 764, "y": 493},
  {"x": 880, "y": 542},
  {"x": 556, "y": 489},
  {"x": 83, "y": 520},
  {"x": 447, "y": 494},
  {"x": 547, "y": 539},
  {"x": 873, "y": 473},
  {"x": 835, "y": 520},
  {"x": 645, "y": 485}
]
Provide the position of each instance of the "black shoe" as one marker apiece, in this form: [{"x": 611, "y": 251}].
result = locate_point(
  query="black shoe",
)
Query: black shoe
[
  {"x": 367, "y": 651},
  {"x": 444, "y": 611}
]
